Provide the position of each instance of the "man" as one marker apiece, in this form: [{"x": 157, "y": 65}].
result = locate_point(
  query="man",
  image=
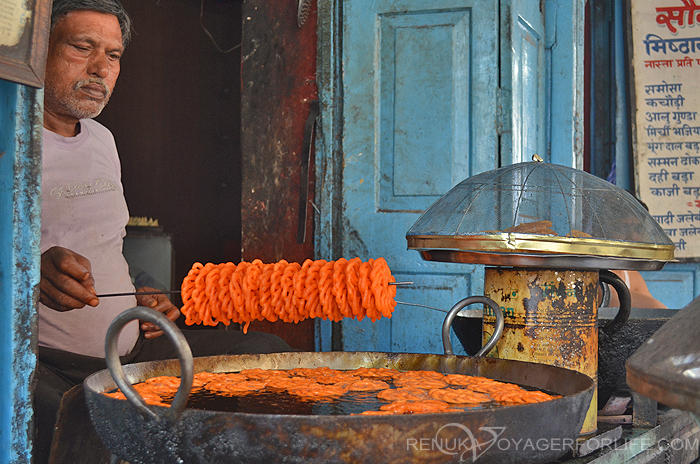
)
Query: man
[
  {"x": 84, "y": 215},
  {"x": 639, "y": 292}
]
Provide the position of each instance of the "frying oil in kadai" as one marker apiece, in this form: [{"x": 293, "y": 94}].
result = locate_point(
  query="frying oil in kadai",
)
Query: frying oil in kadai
[
  {"x": 283, "y": 403},
  {"x": 341, "y": 392}
]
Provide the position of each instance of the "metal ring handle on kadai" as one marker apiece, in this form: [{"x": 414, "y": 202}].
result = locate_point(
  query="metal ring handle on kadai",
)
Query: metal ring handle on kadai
[
  {"x": 488, "y": 346},
  {"x": 184, "y": 354}
]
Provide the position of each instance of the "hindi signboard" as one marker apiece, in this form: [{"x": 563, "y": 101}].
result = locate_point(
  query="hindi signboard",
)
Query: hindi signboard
[{"x": 665, "y": 69}]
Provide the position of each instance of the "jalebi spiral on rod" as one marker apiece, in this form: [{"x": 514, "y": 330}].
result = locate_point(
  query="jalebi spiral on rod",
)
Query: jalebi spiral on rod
[{"x": 255, "y": 291}]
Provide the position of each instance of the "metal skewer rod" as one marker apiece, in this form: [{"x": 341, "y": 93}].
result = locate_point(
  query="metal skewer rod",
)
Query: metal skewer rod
[
  {"x": 422, "y": 306},
  {"x": 160, "y": 292},
  {"x": 170, "y": 292}
]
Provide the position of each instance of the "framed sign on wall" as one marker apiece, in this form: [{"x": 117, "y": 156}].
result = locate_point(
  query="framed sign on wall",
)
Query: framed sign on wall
[
  {"x": 24, "y": 32},
  {"x": 665, "y": 68}
]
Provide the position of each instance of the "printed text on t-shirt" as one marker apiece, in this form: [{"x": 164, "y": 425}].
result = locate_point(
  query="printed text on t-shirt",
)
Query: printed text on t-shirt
[{"x": 79, "y": 189}]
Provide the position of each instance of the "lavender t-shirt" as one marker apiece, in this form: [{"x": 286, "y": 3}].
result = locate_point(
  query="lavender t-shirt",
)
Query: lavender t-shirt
[{"x": 84, "y": 210}]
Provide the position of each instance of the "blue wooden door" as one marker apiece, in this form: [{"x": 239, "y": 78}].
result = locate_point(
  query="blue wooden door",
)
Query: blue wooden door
[{"x": 427, "y": 93}]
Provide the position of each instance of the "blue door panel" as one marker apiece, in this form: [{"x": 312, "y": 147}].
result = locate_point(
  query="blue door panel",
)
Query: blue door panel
[{"x": 424, "y": 58}]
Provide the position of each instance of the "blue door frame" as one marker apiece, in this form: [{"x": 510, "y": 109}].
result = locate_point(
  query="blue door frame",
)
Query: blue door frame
[{"x": 21, "y": 113}]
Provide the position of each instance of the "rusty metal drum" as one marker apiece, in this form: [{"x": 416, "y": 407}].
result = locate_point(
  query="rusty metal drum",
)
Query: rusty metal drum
[{"x": 550, "y": 317}]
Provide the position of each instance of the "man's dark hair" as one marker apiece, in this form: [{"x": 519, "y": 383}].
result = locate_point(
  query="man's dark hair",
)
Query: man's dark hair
[{"x": 113, "y": 7}]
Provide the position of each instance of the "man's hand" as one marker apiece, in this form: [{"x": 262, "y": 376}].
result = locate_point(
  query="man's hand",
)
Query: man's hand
[
  {"x": 66, "y": 280},
  {"x": 160, "y": 303}
]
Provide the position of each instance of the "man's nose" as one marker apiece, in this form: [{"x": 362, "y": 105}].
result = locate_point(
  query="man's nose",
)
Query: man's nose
[{"x": 99, "y": 65}]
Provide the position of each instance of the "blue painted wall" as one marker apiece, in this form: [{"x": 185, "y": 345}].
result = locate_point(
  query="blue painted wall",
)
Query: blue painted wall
[{"x": 20, "y": 213}]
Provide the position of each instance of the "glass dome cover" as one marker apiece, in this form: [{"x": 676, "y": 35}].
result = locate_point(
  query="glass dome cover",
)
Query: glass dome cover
[{"x": 537, "y": 214}]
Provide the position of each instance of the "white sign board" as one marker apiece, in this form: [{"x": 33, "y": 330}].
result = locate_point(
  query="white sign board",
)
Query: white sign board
[{"x": 665, "y": 37}]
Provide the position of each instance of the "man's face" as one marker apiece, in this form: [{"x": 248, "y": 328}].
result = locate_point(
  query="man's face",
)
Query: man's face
[{"x": 82, "y": 65}]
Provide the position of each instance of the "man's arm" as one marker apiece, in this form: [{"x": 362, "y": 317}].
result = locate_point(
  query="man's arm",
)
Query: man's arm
[{"x": 66, "y": 280}]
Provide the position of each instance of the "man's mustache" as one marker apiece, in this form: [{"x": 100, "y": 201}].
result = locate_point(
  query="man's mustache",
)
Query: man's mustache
[{"x": 94, "y": 80}]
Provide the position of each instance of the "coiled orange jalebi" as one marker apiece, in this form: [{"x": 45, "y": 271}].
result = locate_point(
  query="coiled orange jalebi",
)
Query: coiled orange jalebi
[{"x": 250, "y": 291}]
